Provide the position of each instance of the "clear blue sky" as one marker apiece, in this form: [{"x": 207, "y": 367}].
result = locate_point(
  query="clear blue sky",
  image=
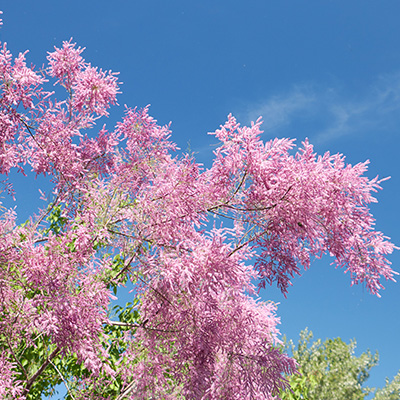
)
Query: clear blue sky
[{"x": 326, "y": 70}]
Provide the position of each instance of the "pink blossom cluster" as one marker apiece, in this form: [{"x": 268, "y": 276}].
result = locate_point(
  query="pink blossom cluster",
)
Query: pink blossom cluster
[
  {"x": 9, "y": 387},
  {"x": 302, "y": 205},
  {"x": 125, "y": 211}
]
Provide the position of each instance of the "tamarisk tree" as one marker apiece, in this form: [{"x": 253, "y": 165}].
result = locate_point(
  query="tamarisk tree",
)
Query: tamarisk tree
[{"x": 193, "y": 244}]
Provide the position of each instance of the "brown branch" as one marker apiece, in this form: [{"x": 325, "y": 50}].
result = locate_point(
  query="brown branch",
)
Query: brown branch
[
  {"x": 16, "y": 358},
  {"x": 32, "y": 379},
  {"x": 255, "y": 237},
  {"x": 241, "y": 183},
  {"x": 126, "y": 267},
  {"x": 157, "y": 292}
]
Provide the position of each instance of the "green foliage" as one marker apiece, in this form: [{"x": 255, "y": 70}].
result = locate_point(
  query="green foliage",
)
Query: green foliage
[
  {"x": 391, "y": 391},
  {"x": 300, "y": 385},
  {"x": 118, "y": 264},
  {"x": 329, "y": 370},
  {"x": 56, "y": 220},
  {"x": 37, "y": 356},
  {"x": 64, "y": 368}
]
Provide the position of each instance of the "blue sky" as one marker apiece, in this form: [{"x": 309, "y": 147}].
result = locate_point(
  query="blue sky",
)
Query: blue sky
[{"x": 326, "y": 70}]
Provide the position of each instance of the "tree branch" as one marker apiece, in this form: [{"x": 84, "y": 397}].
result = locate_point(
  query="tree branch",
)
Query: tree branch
[
  {"x": 62, "y": 378},
  {"x": 31, "y": 380},
  {"x": 16, "y": 358},
  {"x": 141, "y": 325},
  {"x": 127, "y": 390}
]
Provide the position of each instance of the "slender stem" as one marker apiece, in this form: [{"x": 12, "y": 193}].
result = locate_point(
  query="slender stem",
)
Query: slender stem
[
  {"x": 142, "y": 325},
  {"x": 53, "y": 204},
  {"x": 126, "y": 267},
  {"x": 16, "y": 358},
  {"x": 62, "y": 378},
  {"x": 255, "y": 237}
]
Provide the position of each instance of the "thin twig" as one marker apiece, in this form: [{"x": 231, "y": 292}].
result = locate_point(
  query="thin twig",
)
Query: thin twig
[
  {"x": 141, "y": 325},
  {"x": 62, "y": 378},
  {"x": 255, "y": 237},
  {"x": 15, "y": 357},
  {"x": 126, "y": 266}
]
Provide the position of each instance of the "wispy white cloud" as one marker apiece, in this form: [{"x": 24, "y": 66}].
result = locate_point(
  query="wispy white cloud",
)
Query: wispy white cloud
[
  {"x": 331, "y": 113},
  {"x": 278, "y": 110}
]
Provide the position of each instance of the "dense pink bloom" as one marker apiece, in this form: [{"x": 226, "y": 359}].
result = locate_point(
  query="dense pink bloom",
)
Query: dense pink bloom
[
  {"x": 95, "y": 91},
  {"x": 301, "y": 205},
  {"x": 9, "y": 386},
  {"x": 66, "y": 63},
  {"x": 20, "y": 88},
  {"x": 125, "y": 211}
]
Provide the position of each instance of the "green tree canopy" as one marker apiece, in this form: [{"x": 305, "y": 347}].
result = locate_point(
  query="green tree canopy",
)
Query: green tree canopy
[{"x": 330, "y": 370}]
